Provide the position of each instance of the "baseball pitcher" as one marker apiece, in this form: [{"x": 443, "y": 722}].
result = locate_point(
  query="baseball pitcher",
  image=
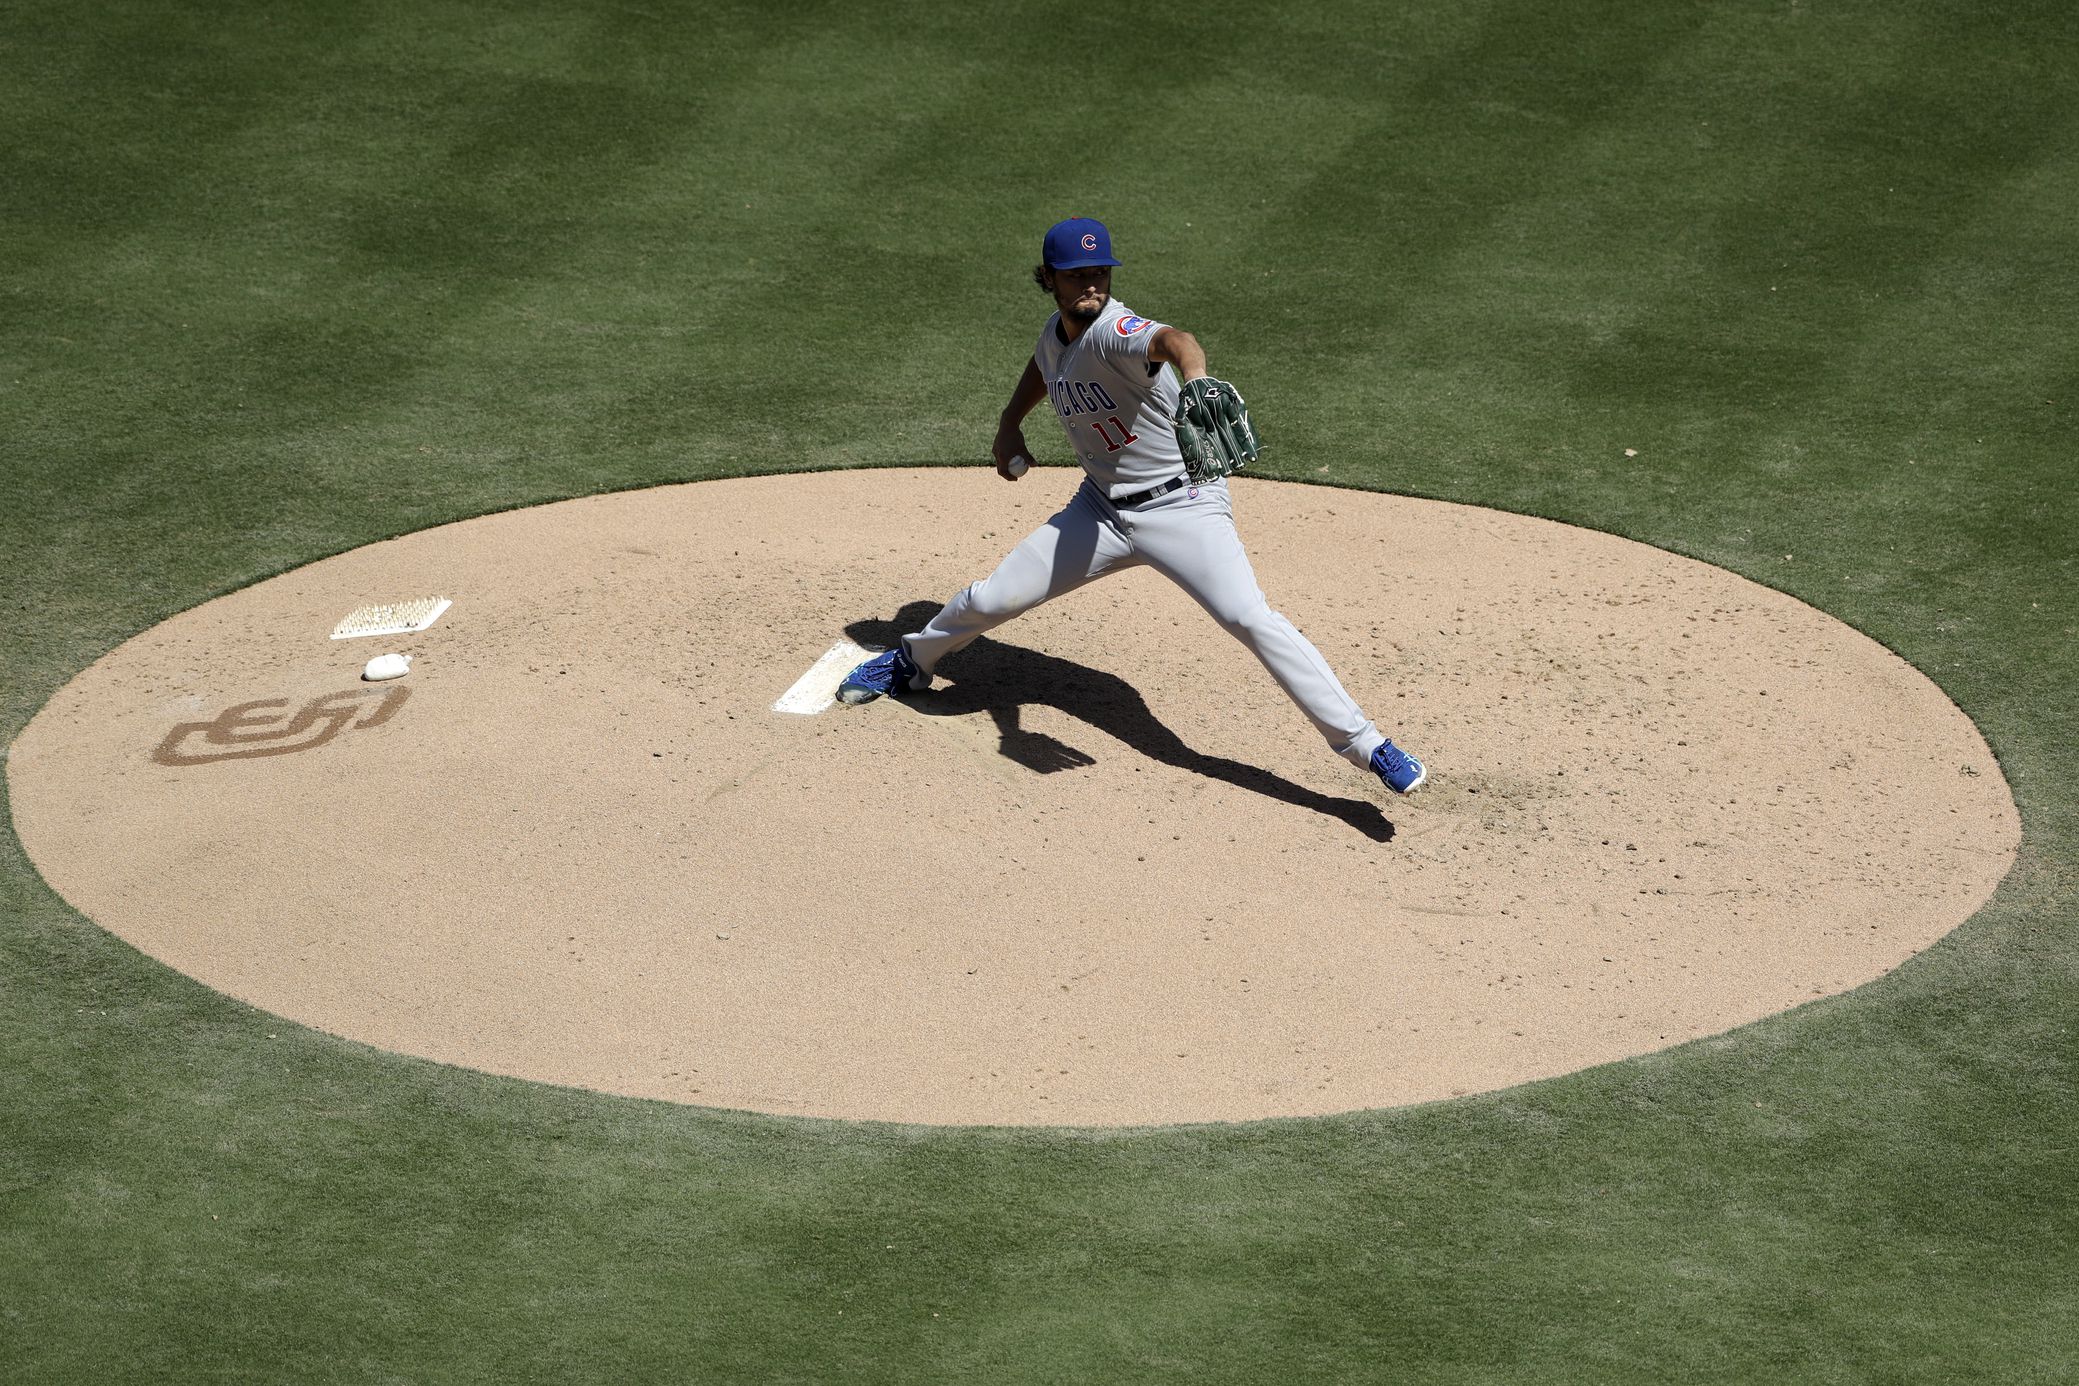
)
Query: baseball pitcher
[{"x": 1157, "y": 436}]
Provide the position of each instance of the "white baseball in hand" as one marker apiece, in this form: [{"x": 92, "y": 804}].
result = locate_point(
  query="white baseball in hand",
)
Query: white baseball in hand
[{"x": 1017, "y": 466}]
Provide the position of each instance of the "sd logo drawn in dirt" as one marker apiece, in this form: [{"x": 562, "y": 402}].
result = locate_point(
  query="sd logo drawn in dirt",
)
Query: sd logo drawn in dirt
[{"x": 251, "y": 729}]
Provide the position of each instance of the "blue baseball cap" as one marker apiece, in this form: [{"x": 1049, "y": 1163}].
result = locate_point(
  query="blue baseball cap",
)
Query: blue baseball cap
[{"x": 1077, "y": 243}]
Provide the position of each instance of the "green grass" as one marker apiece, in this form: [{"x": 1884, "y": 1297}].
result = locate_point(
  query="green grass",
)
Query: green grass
[{"x": 281, "y": 280}]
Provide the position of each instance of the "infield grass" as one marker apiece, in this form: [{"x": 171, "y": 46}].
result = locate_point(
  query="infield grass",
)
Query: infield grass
[{"x": 1783, "y": 286}]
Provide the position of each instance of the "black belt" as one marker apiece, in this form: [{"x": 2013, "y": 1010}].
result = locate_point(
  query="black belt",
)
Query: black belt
[{"x": 1143, "y": 497}]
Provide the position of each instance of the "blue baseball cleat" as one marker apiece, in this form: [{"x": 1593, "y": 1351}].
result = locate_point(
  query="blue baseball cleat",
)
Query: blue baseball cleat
[
  {"x": 1401, "y": 772},
  {"x": 891, "y": 671}
]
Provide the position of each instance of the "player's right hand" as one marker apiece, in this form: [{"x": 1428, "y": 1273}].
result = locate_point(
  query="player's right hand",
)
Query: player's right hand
[{"x": 1011, "y": 454}]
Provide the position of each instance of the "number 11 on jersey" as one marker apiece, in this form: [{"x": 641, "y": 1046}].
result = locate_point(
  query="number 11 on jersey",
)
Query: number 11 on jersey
[{"x": 1126, "y": 437}]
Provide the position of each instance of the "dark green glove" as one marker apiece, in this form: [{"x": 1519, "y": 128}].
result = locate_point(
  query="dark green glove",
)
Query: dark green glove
[{"x": 1213, "y": 429}]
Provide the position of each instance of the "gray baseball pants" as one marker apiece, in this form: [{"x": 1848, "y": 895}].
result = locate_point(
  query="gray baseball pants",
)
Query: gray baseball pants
[{"x": 1189, "y": 537}]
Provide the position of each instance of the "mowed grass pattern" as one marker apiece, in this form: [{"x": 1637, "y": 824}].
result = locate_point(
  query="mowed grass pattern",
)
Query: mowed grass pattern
[{"x": 1784, "y": 286}]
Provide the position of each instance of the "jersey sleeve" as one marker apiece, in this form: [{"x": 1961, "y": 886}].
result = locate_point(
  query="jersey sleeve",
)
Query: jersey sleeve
[
  {"x": 1047, "y": 350},
  {"x": 1124, "y": 340}
]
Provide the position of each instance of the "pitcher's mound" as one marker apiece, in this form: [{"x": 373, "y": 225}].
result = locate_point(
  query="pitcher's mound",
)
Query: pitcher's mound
[{"x": 1106, "y": 874}]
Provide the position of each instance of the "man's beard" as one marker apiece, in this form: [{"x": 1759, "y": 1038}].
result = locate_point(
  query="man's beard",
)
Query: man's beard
[{"x": 1083, "y": 315}]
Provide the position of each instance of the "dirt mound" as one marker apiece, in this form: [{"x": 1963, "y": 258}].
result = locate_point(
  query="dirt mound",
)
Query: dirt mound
[{"x": 1106, "y": 874}]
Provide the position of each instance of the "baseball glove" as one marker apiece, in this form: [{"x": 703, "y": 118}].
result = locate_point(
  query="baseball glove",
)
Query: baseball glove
[{"x": 1213, "y": 430}]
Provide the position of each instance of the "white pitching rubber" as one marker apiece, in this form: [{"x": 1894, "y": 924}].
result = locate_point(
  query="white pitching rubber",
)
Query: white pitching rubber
[
  {"x": 391, "y": 618},
  {"x": 817, "y": 689}
]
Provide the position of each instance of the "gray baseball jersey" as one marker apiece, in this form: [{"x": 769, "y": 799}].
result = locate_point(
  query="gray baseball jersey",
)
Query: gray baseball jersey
[{"x": 1116, "y": 405}]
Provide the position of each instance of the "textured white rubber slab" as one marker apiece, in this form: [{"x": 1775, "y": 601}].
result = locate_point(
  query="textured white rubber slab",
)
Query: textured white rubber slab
[
  {"x": 391, "y": 618},
  {"x": 817, "y": 689}
]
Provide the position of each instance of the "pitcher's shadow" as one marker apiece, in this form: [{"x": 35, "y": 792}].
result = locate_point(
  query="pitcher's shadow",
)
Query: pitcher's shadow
[{"x": 1000, "y": 679}]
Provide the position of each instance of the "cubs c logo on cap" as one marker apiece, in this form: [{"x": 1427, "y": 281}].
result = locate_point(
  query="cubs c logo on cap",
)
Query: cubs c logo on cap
[{"x": 1078, "y": 243}]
